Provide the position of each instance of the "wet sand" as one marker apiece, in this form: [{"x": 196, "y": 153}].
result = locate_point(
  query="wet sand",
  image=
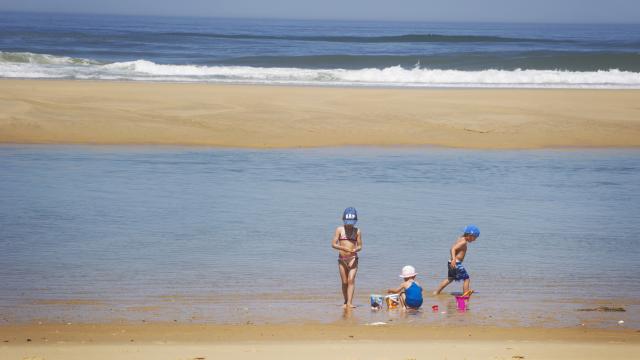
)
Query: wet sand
[
  {"x": 188, "y": 341},
  {"x": 92, "y": 112}
]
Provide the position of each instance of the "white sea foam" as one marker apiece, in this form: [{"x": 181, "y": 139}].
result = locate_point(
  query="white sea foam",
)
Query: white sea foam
[
  {"x": 27, "y": 65},
  {"x": 44, "y": 59}
]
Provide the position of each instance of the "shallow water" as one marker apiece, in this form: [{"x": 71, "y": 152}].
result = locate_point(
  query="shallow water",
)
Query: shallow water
[{"x": 234, "y": 236}]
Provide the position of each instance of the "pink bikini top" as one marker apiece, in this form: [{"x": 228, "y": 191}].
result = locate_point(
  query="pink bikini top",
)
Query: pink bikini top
[{"x": 344, "y": 237}]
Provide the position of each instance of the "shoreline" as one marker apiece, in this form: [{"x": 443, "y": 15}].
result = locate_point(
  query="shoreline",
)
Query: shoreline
[
  {"x": 336, "y": 86},
  {"x": 364, "y": 148},
  {"x": 124, "y": 331},
  {"x": 263, "y": 116}
]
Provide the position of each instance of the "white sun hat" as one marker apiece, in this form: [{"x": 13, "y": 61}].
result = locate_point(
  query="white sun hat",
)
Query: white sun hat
[{"x": 408, "y": 271}]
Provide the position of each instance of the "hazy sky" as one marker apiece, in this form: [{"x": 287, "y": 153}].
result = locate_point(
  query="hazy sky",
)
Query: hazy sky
[{"x": 573, "y": 11}]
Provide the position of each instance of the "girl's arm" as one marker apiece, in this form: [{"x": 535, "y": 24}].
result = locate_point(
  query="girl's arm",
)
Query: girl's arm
[
  {"x": 334, "y": 242},
  {"x": 358, "y": 242}
]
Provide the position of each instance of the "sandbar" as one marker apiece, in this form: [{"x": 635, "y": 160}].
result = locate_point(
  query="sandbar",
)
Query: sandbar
[{"x": 261, "y": 116}]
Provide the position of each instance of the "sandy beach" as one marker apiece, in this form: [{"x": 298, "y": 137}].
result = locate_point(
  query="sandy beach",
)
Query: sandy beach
[
  {"x": 186, "y": 341},
  {"x": 173, "y": 180},
  {"x": 89, "y": 112}
]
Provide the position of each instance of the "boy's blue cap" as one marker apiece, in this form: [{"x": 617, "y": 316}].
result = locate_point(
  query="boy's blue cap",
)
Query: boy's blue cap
[
  {"x": 350, "y": 216},
  {"x": 472, "y": 230}
]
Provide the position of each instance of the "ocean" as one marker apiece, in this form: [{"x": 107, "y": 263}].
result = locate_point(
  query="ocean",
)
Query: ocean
[
  {"x": 209, "y": 235},
  {"x": 331, "y": 53}
]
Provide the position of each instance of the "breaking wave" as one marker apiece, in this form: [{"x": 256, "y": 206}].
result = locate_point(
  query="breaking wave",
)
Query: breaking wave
[{"x": 29, "y": 65}]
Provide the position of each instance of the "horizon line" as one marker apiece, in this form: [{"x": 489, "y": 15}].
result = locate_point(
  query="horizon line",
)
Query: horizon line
[{"x": 81, "y": 13}]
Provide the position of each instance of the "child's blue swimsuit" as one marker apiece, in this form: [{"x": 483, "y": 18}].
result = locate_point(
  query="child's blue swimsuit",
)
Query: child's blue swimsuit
[
  {"x": 413, "y": 296},
  {"x": 459, "y": 273}
]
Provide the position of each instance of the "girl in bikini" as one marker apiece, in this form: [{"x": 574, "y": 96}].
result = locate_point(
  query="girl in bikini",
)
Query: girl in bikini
[{"x": 348, "y": 241}]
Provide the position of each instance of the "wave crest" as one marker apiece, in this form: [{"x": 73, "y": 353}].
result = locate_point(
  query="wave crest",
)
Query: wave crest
[
  {"x": 44, "y": 59},
  {"x": 49, "y": 66}
]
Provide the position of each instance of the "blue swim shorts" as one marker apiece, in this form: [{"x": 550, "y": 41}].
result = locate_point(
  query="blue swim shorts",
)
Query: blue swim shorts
[{"x": 459, "y": 273}]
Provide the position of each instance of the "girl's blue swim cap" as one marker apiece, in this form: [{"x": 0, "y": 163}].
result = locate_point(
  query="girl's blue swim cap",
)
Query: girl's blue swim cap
[
  {"x": 350, "y": 216},
  {"x": 472, "y": 230}
]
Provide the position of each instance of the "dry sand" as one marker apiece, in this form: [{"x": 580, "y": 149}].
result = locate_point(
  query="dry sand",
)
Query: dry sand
[
  {"x": 91, "y": 112},
  {"x": 326, "y": 341}
]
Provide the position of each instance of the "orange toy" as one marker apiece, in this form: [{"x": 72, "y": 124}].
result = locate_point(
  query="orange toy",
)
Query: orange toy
[{"x": 393, "y": 301}]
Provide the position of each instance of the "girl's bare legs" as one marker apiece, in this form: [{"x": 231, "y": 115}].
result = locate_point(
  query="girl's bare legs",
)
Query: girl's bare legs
[
  {"x": 442, "y": 285},
  {"x": 351, "y": 283},
  {"x": 344, "y": 278}
]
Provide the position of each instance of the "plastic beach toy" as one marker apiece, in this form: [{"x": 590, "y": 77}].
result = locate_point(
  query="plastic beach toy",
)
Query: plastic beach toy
[
  {"x": 393, "y": 300},
  {"x": 376, "y": 301},
  {"x": 461, "y": 302},
  {"x": 434, "y": 308}
]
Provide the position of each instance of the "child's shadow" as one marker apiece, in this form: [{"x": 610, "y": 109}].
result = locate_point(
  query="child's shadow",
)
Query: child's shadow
[{"x": 413, "y": 312}]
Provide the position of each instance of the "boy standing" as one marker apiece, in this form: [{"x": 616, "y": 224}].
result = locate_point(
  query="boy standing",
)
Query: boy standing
[{"x": 456, "y": 271}]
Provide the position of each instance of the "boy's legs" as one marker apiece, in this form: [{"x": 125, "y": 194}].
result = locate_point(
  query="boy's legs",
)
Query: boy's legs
[
  {"x": 465, "y": 286},
  {"x": 442, "y": 285},
  {"x": 452, "y": 274},
  {"x": 463, "y": 275}
]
